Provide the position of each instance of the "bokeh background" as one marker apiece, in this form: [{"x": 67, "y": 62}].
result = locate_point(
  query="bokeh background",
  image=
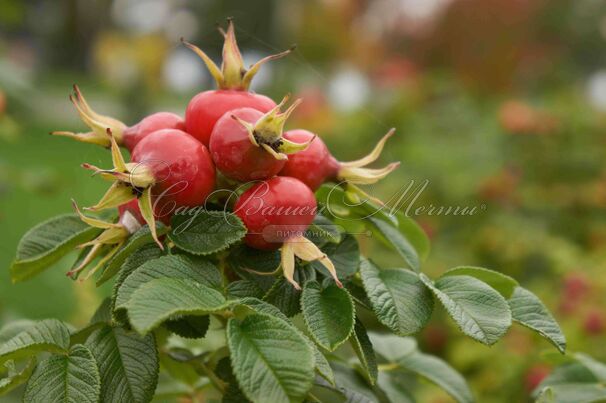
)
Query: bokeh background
[{"x": 497, "y": 103}]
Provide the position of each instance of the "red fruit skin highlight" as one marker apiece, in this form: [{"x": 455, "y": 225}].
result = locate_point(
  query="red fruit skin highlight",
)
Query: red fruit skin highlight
[
  {"x": 182, "y": 168},
  {"x": 275, "y": 210},
  {"x": 312, "y": 166},
  {"x": 234, "y": 154},
  {"x": 205, "y": 109},
  {"x": 152, "y": 123}
]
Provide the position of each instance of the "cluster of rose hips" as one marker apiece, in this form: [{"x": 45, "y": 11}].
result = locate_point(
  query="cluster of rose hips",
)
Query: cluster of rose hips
[{"x": 229, "y": 136}]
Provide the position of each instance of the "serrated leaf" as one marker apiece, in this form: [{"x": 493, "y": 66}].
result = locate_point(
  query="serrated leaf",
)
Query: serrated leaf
[
  {"x": 128, "y": 364},
  {"x": 11, "y": 329},
  {"x": 499, "y": 281},
  {"x": 322, "y": 365},
  {"x": 284, "y": 296},
  {"x": 479, "y": 311},
  {"x": 161, "y": 299},
  {"x": 329, "y": 314},
  {"x": 47, "y": 335},
  {"x": 363, "y": 348},
  {"x": 398, "y": 298},
  {"x": 243, "y": 289},
  {"x": 16, "y": 377},
  {"x": 271, "y": 361},
  {"x": 397, "y": 241},
  {"x": 140, "y": 238},
  {"x": 72, "y": 378},
  {"x": 254, "y": 265},
  {"x": 139, "y": 257},
  {"x": 528, "y": 310},
  {"x": 47, "y": 242},
  {"x": 193, "y": 268},
  {"x": 208, "y": 232},
  {"x": 438, "y": 372},
  {"x": 322, "y": 230},
  {"x": 345, "y": 256},
  {"x": 262, "y": 307},
  {"x": 233, "y": 394},
  {"x": 189, "y": 327}
]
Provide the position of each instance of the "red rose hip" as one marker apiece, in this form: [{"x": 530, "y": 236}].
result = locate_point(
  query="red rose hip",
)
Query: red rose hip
[
  {"x": 233, "y": 80},
  {"x": 168, "y": 169},
  {"x": 248, "y": 145},
  {"x": 276, "y": 213}
]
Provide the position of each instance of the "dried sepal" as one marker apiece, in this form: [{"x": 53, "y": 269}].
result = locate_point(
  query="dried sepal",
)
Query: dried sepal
[
  {"x": 98, "y": 123},
  {"x": 305, "y": 250},
  {"x": 232, "y": 74}
]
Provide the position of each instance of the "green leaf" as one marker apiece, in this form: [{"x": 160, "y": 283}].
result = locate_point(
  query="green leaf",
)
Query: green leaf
[
  {"x": 323, "y": 393},
  {"x": 243, "y": 289},
  {"x": 135, "y": 241},
  {"x": 189, "y": 327},
  {"x": 398, "y": 298},
  {"x": 392, "y": 347},
  {"x": 284, "y": 296},
  {"x": 438, "y": 372},
  {"x": 13, "y": 328},
  {"x": 363, "y": 348},
  {"x": 396, "y": 385},
  {"x": 207, "y": 232},
  {"x": 353, "y": 385},
  {"x": 172, "y": 266},
  {"x": 72, "y": 378},
  {"x": 571, "y": 373},
  {"x": 47, "y": 242},
  {"x": 225, "y": 372},
  {"x": 345, "y": 256},
  {"x": 254, "y": 265},
  {"x": 595, "y": 367},
  {"x": 528, "y": 310},
  {"x": 272, "y": 361},
  {"x": 329, "y": 314},
  {"x": 479, "y": 311},
  {"x": 499, "y": 281},
  {"x": 323, "y": 230},
  {"x": 164, "y": 298},
  {"x": 140, "y": 256},
  {"x": 573, "y": 392},
  {"x": 262, "y": 307},
  {"x": 322, "y": 365},
  {"x": 16, "y": 377},
  {"x": 414, "y": 234},
  {"x": 397, "y": 241},
  {"x": 47, "y": 335},
  {"x": 128, "y": 364}
]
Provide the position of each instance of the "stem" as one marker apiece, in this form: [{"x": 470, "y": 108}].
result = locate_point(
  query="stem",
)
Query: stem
[
  {"x": 212, "y": 377},
  {"x": 388, "y": 367}
]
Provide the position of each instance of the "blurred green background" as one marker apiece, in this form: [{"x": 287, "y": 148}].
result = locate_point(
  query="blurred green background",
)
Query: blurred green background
[{"x": 499, "y": 104}]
